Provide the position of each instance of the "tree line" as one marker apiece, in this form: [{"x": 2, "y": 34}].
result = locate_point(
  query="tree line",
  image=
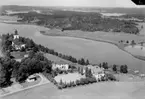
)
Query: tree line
[
  {"x": 122, "y": 69},
  {"x": 31, "y": 45}
]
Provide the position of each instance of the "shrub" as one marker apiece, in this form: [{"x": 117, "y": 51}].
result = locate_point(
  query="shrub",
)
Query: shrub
[
  {"x": 59, "y": 87},
  {"x": 123, "y": 69},
  {"x": 77, "y": 82},
  {"x": 110, "y": 77},
  {"x": 69, "y": 84},
  {"x": 73, "y": 84},
  {"x": 86, "y": 80},
  {"x": 64, "y": 85},
  {"x": 65, "y": 72},
  {"x": 103, "y": 79},
  {"x": 54, "y": 82},
  {"x": 99, "y": 80},
  {"x": 82, "y": 81},
  {"x": 93, "y": 80}
]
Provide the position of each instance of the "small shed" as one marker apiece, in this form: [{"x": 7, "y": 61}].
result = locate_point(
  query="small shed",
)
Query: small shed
[{"x": 32, "y": 78}]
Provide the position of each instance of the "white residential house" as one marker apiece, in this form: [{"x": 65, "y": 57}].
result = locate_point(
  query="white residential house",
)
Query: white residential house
[
  {"x": 60, "y": 65},
  {"x": 18, "y": 46},
  {"x": 96, "y": 71}
]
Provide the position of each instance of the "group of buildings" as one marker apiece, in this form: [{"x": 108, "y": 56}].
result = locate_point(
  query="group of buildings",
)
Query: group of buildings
[
  {"x": 97, "y": 71},
  {"x": 16, "y": 44}
]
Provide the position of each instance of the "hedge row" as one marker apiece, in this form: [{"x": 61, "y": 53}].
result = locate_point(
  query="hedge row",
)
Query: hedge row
[
  {"x": 50, "y": 78},
  {"x": 82, "y": 81}
]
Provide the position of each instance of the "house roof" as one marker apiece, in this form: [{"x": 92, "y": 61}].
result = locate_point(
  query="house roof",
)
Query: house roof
[
  {"x": 60, "y": 62},
  {"x": 32, "y": 76}
]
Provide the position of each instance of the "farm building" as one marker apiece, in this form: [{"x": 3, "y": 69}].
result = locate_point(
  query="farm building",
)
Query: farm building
[
  {"x": 60, "y": 65},
  {"x": 32, "y": 78}
]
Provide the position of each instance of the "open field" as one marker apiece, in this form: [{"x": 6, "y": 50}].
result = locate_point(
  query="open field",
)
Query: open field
[
  {"x": 129, "y": 78},
  {"x": 99, "y": 35},
  {"x": 142, "y": 31},
  {"x": 107, "y": 90},
  {"x": 8, "y": 19},
  {"x": 136, "y": 50},
  {"x": 56, "y": 59},
  {"x": 17, "y": 88}
]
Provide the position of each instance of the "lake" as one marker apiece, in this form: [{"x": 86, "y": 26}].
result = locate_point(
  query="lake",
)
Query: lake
[{"x": 95, "y": 51}]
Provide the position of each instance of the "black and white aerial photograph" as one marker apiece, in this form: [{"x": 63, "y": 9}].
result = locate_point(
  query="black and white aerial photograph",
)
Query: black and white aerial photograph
[{"x": 72, "y": 49}]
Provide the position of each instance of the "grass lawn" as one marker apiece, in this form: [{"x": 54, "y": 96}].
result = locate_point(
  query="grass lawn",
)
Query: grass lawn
[
  {"x": 8, "y": 18},
  {"x": 29, "y": 84},
  {"x": 18, "y": 54},
  {"x": 108, "y": 36},
  {"x": 128, "y": 78},
  {"x": 12, "y": 88},
  {"x": 56, "y": 59},
  {"x": 69, "y": 77}
]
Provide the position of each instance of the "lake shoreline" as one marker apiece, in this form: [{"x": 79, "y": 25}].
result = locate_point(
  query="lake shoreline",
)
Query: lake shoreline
[
  {"x": 121, "y": 47},
  {"x": 98, "y": 39},
  {"x": 95, "y": 38}
]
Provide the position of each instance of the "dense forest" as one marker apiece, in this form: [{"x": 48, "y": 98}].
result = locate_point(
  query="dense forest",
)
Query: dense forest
[{"x": 70, "y": 20}]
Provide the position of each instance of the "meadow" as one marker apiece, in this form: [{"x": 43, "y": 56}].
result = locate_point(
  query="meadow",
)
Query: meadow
[{"x": 108, "y": 90}]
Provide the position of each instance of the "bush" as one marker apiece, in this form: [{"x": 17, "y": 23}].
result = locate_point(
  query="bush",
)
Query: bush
[
  {"x": 103, "y": 79},
  {"x": 64, "y": 85},
  {"x": 82, "y": 81},
  {"x": 86, "y": 81},
  {"x": 110, "y": 77},
  {"x": 65, "y": 72},
  {"x": 73, "y": 84},
  {"x": 123, "y": 69},
  {"x": 92, "y": 80},
  {"x": 69, "y": 84},
  {"x": 59, "y": 87},
  {"x": 77, "y": 82}
]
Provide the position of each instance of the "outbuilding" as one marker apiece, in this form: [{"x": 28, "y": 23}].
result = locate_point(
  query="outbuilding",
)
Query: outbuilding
[{"x": 32, "y": 78}]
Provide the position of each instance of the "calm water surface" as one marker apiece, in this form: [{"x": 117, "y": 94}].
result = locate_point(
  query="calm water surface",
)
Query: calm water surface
[{"x": 95, "y": 51}]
